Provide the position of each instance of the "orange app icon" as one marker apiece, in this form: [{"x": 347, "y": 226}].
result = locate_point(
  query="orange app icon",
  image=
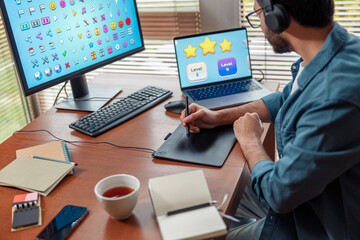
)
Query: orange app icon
[
  {"x": 52, "y": 6},
  {"x": 113, "y": 25},
  {"x": 97, "y": 31}
]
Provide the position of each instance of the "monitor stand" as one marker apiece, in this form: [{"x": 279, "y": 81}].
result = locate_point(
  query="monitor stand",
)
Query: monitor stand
[{"x": 87, "y": 98}]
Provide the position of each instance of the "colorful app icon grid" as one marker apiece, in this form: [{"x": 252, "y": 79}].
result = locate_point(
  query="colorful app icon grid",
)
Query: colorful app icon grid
[{"x": 59, "y": 37}]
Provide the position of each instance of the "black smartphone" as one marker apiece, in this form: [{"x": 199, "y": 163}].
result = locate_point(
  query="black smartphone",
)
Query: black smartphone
[{"x": 64, "y": 223}]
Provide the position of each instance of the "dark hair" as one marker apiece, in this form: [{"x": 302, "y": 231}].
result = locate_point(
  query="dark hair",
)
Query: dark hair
[{"x": 311, "y": 13}]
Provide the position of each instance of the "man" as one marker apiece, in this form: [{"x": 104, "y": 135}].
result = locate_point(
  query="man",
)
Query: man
[{"x": 312, "y": 191}]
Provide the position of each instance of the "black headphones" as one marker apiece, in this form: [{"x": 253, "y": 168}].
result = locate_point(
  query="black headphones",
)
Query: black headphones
[{"x": 276, "y": 16}]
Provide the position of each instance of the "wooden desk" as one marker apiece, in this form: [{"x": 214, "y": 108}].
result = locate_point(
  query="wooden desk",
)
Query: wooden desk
[{"x": 98, "y": 161}]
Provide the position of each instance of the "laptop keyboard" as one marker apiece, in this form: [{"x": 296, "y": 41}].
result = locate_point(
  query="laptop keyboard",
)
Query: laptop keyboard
[{"x": 223, "y": 90}]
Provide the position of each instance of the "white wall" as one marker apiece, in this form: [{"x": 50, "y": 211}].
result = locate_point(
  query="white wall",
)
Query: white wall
[{"x": 219, "y": 14}]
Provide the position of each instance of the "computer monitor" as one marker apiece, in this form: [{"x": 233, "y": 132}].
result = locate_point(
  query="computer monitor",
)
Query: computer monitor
[{"x": 58, "y": 40}]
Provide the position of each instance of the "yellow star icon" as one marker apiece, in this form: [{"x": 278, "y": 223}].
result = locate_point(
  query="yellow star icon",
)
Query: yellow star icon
[
  {"x": 208, "y": 46},
  {"x": 190, "y": 51},
  {"x": 225, "y": 45}
]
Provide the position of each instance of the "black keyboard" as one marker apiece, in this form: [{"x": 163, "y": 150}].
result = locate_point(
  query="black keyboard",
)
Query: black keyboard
[
  {"x": 118, "y": 112},
  {"x": 223, "y": 90}
]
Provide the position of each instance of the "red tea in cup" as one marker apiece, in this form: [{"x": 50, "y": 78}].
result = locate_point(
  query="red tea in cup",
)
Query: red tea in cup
[{"x": 117, "y": 192}]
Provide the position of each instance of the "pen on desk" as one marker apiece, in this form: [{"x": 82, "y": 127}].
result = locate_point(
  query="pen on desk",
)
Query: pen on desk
[
  {"x": 54, "y": 160},
  {"x": 169, "y": 213},
  {"x": 187, "y": 114}
]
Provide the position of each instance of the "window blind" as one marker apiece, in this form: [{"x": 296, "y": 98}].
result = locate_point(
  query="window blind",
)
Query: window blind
[
  {"x": 160, "y": 21},
  {"x": 12, "y": 113},
  {"x": 277, "y": 66}
]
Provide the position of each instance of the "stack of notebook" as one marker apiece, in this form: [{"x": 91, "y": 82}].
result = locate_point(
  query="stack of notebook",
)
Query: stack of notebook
[{"x": 38, "y": 169}]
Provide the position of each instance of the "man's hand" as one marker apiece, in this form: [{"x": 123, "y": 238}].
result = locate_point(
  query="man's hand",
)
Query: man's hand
[
  {"x": 199, "y": 117},
  {"x": 248, "y": 130}
]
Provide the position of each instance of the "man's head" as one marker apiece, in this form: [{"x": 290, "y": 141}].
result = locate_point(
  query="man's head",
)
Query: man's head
[{"x": 308, "y": 13}]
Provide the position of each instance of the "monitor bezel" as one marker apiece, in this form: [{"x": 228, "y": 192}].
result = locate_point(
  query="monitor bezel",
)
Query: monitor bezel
[{"x": 29, "y": 91}]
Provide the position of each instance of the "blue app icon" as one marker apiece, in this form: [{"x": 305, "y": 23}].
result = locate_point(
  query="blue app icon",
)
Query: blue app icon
[{"x": 227, "y": 67}]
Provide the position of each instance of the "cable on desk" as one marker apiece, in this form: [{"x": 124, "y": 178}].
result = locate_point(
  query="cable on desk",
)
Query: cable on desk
[
  {"x": 57, "y": 98},
  {"x": 96, "y": 143},
  {"x": 263, "y": 76},
  {"x": 66, "y": 93},
  {"x": 58, "y": 94},
  {"x": 92, "y": 99}
]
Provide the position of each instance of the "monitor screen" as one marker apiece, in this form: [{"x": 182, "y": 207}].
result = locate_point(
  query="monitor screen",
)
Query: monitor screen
[
  {"x": 58, "y": 40},
  {"x": 213, "y": 57}
]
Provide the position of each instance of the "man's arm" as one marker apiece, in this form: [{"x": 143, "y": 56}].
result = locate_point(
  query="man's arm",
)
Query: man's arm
[
  {"x": 230, "y": 115},
  {"x": 248, "y": 130},
  {"x": 201, "y": 117},
  {"x": 326, "y": 144}
]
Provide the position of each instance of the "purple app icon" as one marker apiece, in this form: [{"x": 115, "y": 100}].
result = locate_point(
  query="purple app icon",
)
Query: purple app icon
[{"x": 227, "y": 67}]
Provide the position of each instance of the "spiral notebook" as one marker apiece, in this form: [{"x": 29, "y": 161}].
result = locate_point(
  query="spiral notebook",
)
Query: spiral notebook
[
  {"x": 53, "y": 150},
  {"x": 39, "y": 168}
]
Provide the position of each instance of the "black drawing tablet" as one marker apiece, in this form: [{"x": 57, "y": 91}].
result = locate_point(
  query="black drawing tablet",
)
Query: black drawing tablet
[{"x": 209, "y": 147}]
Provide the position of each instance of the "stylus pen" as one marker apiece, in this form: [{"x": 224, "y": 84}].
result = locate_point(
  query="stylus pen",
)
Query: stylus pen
[
  {"x": 181, "y": 210},
  {"x": 54, "y": 160},
  {"x": 187, "y": 114}
]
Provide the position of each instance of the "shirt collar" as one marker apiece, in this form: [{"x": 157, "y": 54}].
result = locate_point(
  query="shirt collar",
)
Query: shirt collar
[{"x": 333, "y": 43}]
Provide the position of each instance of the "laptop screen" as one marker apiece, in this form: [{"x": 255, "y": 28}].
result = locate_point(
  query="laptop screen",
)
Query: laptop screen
[{"x": 212, "y": 57}]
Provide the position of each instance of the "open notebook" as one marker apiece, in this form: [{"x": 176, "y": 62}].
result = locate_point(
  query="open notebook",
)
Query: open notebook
[{"x": 179, "y": 191}]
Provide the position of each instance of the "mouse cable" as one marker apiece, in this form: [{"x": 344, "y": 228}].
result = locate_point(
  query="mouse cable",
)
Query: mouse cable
[
  {"x": 97, "y": 143},
  {"x": 263, "y": 76}
]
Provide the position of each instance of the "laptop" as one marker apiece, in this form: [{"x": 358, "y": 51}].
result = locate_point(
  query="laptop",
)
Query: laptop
[{"x": 215, "y": 69}]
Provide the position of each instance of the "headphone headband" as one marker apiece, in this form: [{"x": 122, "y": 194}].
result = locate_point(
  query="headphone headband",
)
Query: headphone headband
[{"x": 266, "y": 5}]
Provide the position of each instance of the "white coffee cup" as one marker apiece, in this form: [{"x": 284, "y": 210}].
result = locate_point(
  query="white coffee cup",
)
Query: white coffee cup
[{"x": 118, "y": 207}]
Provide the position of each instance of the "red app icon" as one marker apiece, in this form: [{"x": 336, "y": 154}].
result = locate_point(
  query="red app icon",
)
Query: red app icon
[
  {"x": 128, "y": 21},
  {"x": 31, "y": 51}
]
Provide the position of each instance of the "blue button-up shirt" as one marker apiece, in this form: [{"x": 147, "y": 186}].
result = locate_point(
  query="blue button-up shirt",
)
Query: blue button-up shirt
[{"x": 313, "y": 190}]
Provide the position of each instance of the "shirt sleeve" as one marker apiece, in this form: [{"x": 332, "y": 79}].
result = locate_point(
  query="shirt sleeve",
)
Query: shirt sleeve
[
  {"x": 275, "y": 100},
  {"x": 325, "y": 145}
]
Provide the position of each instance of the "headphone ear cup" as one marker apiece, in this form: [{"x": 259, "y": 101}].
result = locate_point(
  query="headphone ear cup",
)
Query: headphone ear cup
[{"x": 277, "y": 20}]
